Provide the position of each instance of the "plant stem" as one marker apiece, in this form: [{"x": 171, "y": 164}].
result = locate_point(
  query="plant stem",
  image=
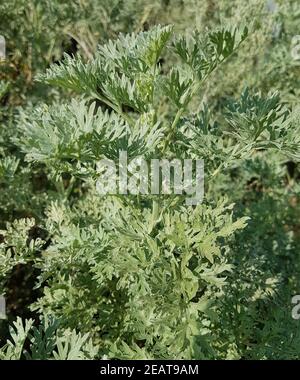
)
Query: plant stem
[{"x": 116, "y": 108}]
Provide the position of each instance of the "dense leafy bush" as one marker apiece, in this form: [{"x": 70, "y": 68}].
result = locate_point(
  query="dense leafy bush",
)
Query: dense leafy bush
[{"x": 148, "y": 276}]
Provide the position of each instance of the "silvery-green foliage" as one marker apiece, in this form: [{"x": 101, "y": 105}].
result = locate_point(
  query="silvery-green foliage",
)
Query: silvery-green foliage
[
  {"x": 149, "y": 277},
  {"x": 46, "y": 342}
]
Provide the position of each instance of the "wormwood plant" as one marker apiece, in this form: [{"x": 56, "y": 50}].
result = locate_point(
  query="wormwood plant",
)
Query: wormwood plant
[
  {"x": 45, "y": 343},
  {"x": 144, "y": 276}
]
